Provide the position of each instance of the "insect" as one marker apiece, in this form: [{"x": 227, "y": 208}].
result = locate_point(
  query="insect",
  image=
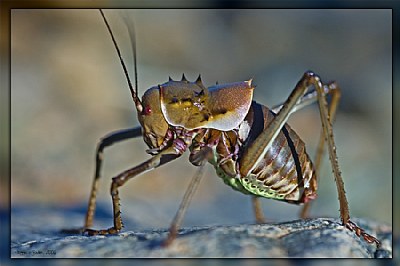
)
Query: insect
[{"x": 251, "y": 147}]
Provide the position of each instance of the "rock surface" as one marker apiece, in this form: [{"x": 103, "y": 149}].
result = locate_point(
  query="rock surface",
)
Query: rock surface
[{"x": 319, "y": 237}]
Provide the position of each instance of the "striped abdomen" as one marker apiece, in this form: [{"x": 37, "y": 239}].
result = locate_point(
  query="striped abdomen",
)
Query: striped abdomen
[{"x": 286, "y": 172}]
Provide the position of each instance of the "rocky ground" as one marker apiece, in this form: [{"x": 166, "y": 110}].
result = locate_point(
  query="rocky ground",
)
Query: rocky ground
[{"x": 35, "y": 234}]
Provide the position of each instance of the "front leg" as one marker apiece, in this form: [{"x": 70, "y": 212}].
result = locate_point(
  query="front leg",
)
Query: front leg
[
  {"x": 106, "y": 141},
  {"x": 163, "y": 157}
]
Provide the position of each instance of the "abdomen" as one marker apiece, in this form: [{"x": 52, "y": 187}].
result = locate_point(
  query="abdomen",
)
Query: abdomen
[{"x": 286, "y": 172}]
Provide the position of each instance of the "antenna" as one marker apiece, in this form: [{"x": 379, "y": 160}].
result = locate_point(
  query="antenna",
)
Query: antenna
[{"x": 139, "y": 106}]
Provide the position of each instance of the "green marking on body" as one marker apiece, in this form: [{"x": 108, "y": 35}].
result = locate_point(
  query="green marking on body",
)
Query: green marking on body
[
  {"x": 250, "y": 185},
  {"x": 246, "y": 186}
]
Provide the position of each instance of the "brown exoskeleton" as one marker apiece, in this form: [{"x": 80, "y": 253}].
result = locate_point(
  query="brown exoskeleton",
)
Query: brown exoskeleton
[{"x": 250, "y": 146}]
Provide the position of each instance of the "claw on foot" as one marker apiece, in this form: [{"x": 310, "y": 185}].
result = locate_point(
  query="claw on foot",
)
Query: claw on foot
[
  {"x": 90, "y": 232},
  {"x": 73, "y": 231},
  {"x": 168, "y": 241},
  {"x": 360, "y": 232},
  {"x": 109, "y": 231}
]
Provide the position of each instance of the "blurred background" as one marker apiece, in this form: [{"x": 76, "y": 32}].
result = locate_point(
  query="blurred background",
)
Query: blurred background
[{"x": 68, "y": 90}]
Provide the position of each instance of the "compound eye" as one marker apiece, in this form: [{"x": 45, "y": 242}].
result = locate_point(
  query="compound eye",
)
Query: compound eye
[{"x": 147, "y": 110}]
